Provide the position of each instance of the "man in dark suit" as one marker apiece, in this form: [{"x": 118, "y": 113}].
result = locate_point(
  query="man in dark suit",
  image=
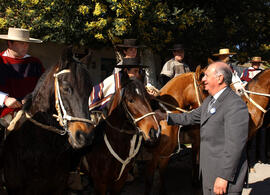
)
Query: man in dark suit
[{"x": 223, "y": 118}]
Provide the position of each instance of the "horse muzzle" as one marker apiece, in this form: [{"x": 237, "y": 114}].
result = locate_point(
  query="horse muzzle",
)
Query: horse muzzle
[{"x": 80, "y": 134}]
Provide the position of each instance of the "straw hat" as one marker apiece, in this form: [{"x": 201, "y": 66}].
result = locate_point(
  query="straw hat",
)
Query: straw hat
[
  {"x": 131, "y": 63},
  {"x": 225, "y": 51},
  {"x": 19, "y": 34},
  {"x": 256, "y": 59},
  {"x": 176, "y": 47},
  {"x": 131, "y": 43}
]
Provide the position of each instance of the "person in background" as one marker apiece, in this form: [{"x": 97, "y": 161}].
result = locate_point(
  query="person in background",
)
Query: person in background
[
  {"x": 252, "y": 71},
  {"x": 174, "y": 66},
  {"x": 223, "y": 119},
  {"x": 256, "y": 146},
  {"x": 19, "y": 72},
  {"x": 224, "y": 56},
  {"x": 102, "y": 93},
  {"x": 129, "y": 49}
]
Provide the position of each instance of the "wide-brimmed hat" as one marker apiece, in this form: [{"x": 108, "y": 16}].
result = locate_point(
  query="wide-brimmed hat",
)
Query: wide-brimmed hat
[
  {"x": 177, "y": 46},
  {"x": 130, "y": 43},
  {"x": 19, "y": 34},
  {"x": 131, "y": 63},
  {"x": 256, "y": 59},
  {"x": 225, "y": 51}
]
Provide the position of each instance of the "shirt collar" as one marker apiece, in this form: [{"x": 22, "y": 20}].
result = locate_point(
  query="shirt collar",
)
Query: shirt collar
[
  {"x": 7, "y": 54},
  {"x": 219, "y": 93}
]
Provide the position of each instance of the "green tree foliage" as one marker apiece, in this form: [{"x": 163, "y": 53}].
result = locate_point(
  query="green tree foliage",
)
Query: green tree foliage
[{"x": 203, "y": 26}]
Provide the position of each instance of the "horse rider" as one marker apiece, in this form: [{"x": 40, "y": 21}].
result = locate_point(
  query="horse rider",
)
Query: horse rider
[
  {"x": 174, "y": 66},
  {"x": 19, "y": 72},
  {"x": 102, "y": 93},
  {"x": 259, "y": 139},
  {"x": 224, "y": 56},
  {"x": 252, "y": 71},
  {"x": 129, "y": 49}
]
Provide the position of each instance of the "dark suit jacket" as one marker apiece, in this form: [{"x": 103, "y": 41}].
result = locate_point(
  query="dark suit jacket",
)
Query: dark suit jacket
[{"x": 223, "y": 135}]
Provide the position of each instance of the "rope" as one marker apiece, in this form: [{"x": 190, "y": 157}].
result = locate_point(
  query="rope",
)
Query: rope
[
  {"x": 179, "y": 145},
  {"x": 47, "y": 127},
  {"x": 256, "y": 93},
  {"x": 196, "y": 90},
  {"x": 132, "y": 152},
  {"x": 253, "y": 102}
]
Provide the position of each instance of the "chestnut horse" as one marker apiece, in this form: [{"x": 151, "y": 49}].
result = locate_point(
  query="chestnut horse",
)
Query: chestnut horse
[
  {"x": 257, "y": 97},
  {"x": 119, "y": 137},
  {"x": 39, "y": 154},
  {"x": 182, "y": 92}
]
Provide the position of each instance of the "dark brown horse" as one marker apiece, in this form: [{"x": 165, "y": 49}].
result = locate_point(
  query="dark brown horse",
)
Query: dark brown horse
[
  {"x": 120, "y": 136},
  {"x": 39, "y": 155},
  {"x": 182, "y": 92}
]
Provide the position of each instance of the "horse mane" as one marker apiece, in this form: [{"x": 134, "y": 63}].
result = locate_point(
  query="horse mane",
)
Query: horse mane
[{"x": 45, "y": 84}]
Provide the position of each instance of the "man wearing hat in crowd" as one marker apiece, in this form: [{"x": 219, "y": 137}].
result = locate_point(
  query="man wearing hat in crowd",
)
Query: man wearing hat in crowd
[
  {"x": 19, "y": 72},
  {"x": 224, "y": 56},
  {"x": 102, "y": 93},
  {"x": 128, "y": 49},
  {"x": 174, "y": 66},
  {"x": 252, "y": 71}
]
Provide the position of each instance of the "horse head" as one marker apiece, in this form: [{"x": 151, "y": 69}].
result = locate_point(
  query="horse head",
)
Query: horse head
[
  {"x": 63, "y": 93},
  {"x": 134, "y": 101}
]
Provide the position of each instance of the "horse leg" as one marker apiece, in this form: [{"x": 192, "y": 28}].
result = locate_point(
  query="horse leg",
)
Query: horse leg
[
  {"x": 149, "y": 174},
  {"x": 163, "y": 163},
  {"x": 100, "y": 188},
  {"x": 117, "y": 186}
]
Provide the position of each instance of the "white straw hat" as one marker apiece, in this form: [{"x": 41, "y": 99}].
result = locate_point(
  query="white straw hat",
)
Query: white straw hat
[
  {"x": 19, "y": 34},
  {"x": 225, "y": 51}
]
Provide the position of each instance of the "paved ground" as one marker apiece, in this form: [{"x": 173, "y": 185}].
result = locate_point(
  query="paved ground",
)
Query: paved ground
[
  {"x": 259, "y": 182},
  {"x": 179, "y": 180}
]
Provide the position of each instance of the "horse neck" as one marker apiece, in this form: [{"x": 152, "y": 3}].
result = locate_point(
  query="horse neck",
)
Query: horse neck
[
  {"x": 43, "y": 99},
  {"x": 118, "y": 119},
  {"x": 179, "y": 89}
]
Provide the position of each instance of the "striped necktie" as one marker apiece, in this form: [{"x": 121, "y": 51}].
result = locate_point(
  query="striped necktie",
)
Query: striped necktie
[{"x": 210, "y": 104}]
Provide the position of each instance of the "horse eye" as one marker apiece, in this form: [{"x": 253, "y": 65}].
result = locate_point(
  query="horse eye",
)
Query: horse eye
[
  {"x": 66, "y": 88},
  {"x": 130, "y": 100}
]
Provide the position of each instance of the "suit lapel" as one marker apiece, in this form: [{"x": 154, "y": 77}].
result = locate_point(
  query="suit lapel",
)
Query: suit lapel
[{"x": 216, "y": 105}]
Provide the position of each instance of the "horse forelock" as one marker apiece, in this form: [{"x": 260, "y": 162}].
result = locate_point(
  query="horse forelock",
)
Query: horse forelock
[{"x": 135, "y": 88}]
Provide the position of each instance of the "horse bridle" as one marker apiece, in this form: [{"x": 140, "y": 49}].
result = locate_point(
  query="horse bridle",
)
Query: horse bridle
[
  {"x": 134, "y": 121},
  {"x": 62, "y": 116}
]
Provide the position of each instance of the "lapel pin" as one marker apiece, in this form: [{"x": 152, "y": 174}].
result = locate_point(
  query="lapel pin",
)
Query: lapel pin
[{"x": 213, "y": 110}]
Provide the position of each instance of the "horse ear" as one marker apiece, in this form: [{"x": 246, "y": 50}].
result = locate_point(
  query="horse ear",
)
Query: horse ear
[
  {"x": 66, "y": 56},
  {"x": 87, "y": 59},
  {"x": 210, "y": 61},
  {"x": 115, "y": 101},
  {"x": 198, "y": 72}
]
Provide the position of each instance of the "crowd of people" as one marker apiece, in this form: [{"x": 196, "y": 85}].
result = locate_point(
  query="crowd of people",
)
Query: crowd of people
[{"x": 223, "y": 116}]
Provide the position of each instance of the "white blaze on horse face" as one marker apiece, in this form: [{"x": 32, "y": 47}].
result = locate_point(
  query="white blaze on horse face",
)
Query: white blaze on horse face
[{"x": 138, "y": 91}]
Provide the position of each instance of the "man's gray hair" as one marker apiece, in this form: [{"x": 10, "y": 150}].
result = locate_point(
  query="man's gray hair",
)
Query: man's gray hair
[{"x": 226, "y": 71}]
